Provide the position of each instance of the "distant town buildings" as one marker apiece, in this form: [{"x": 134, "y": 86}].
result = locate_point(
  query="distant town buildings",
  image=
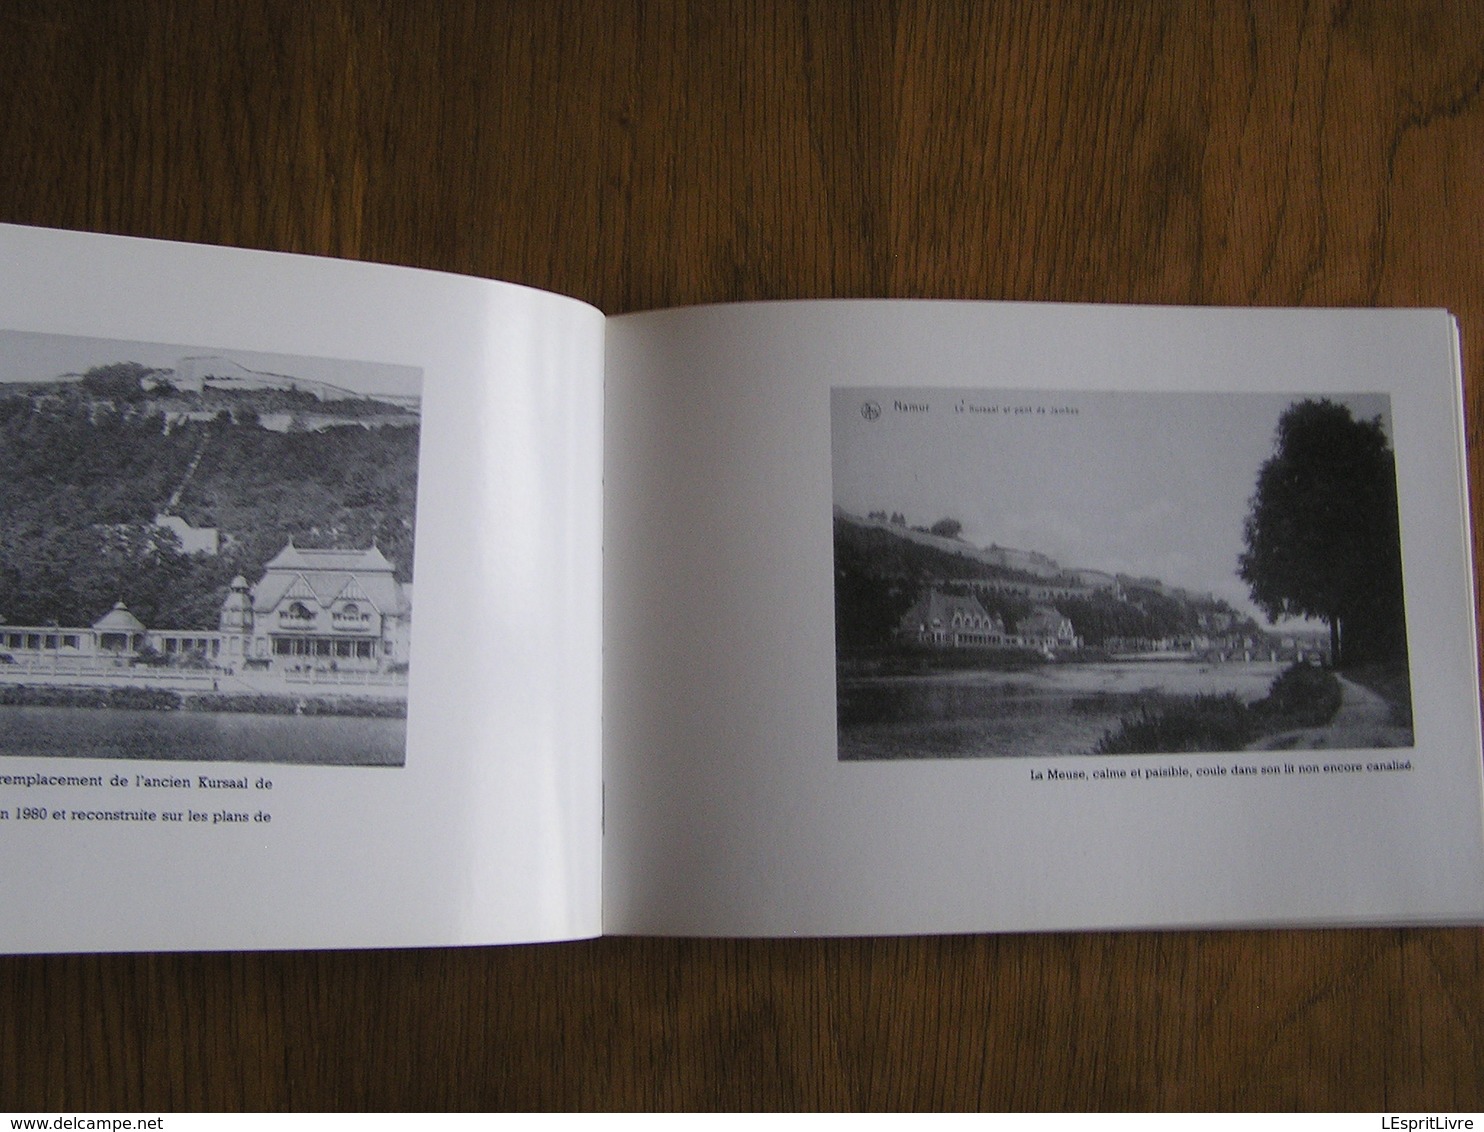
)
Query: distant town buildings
[
  {"x": 312, "y": 609},
  {"x": 940, "y": 620},
  {"x": 952, "y": 612},
  {"x": 1047, "y": 630},
  {"x": 949, "y": 621}
]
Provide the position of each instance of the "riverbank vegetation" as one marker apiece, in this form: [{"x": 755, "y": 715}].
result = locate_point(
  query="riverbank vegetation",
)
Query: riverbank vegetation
[
  {"x": 166, "y": 699},
  {"x": 1301, "y": 696}
]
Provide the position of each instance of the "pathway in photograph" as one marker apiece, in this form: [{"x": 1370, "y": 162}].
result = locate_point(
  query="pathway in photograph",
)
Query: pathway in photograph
[{"x": 1363, "y": 722}]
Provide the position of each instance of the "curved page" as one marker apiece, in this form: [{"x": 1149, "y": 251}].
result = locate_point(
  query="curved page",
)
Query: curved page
[{"x": 299, "y": 579}]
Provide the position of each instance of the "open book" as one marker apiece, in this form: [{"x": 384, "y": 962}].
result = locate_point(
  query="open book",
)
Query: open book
[{"x": 348, "y": 605}]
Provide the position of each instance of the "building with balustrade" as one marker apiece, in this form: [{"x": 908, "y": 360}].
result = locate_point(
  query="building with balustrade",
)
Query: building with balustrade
[
  {"x": 315, "y": 608},
  {"x": 340, "y": 610}
]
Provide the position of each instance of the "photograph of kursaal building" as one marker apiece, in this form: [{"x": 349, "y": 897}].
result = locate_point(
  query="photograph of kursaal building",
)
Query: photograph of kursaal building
[
  {"x": 1052, "y": 573},
  {"x": 204, "y": 554}
]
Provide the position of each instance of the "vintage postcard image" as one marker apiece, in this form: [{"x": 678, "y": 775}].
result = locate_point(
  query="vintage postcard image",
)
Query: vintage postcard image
[{"x": 1059, "y": 573}]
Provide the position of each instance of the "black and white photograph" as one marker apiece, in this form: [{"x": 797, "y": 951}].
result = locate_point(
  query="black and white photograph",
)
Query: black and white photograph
[
  {"x": 205, "y": 553},
  {"x": 1055, "y": 573}
]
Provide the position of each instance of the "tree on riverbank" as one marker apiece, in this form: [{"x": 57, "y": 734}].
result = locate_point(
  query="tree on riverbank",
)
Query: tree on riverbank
[{"x": 1322, "y": 535}]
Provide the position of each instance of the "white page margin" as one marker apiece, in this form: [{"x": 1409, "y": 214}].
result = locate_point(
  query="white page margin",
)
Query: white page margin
[{"x": 727, "y": 811}]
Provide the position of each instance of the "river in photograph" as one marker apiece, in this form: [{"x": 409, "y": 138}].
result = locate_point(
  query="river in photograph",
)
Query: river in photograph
[
  {"x": 202, "y": 736},
  {"x": 1054, "y": 709}
]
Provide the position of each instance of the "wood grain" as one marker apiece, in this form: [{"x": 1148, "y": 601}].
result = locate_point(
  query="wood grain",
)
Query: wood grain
[{"x": 654, "y": 154}]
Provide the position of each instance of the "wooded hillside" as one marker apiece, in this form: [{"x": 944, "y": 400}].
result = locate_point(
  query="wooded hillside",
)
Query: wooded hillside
[
  {"x": 87, "y": 471},
  {"x": 880, "y": 573}
]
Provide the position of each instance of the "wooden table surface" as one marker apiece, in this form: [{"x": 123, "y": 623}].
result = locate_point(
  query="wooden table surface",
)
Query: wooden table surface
[{"x": 652, "y": 154}]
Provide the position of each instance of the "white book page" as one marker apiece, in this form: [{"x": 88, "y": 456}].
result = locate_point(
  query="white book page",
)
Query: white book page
[
  {"x": 742, "y": 798},
  {"x": 484, "y": 825}
]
